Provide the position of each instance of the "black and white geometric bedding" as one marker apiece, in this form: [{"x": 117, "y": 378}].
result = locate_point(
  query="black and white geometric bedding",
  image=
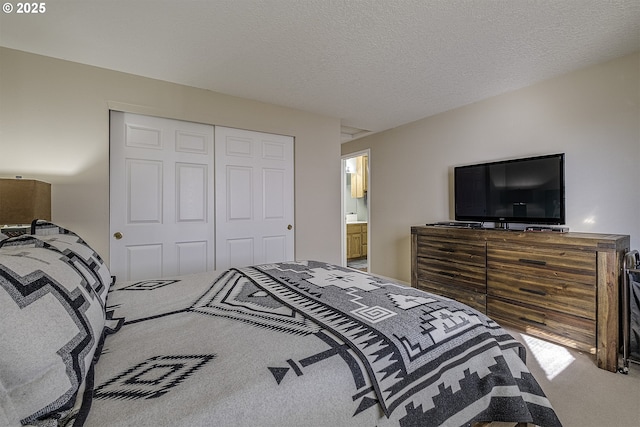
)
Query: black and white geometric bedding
[
  {"x": 305, "y": 344},
  {"x": 53, "y": 290}
]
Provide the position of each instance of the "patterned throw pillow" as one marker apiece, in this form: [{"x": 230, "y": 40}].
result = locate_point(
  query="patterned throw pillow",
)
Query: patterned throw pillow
[
  {"x": 52, "y": 319},
  {"x": 83, "y": 256}
]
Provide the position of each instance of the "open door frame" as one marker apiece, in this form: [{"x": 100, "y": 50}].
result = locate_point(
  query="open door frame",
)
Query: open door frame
[{"x": 343, "y": 188}]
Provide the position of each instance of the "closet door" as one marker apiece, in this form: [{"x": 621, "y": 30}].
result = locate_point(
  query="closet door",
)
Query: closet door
[
  {"x": 254, "y": 198},
  {"x": 161, "y": 197}
]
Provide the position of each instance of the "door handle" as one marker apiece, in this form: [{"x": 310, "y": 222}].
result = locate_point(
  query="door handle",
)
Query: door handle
[
  {"x": 289, "y": 227},
  {"x": 117, "y": 235},
  {"x": 532, "y": 261}
]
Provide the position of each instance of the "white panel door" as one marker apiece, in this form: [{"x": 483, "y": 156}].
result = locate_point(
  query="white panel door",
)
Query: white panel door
[
  {"x": 254, "y": 198},
  {"x": 161, "y": 197}
]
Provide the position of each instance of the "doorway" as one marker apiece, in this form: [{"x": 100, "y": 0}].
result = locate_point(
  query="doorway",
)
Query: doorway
[{"x": 356, "y": 208}]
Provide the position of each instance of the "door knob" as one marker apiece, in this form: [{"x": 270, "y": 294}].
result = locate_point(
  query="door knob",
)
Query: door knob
[
  {"x": 289, "y": 227},
  {"x": 117, "y": 235}
]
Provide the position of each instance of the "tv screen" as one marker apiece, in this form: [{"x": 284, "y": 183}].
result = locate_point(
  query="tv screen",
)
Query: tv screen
[{"x": 528, "y": 190}]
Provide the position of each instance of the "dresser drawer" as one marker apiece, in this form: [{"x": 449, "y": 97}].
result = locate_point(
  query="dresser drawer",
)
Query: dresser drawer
[
  {"x": 458, "y": 275},
  {"x": 472, "y": 299},
  {"x": 452, "y": 250},
  {"x": 573, "y": 331},
  {"x": 548, "y": 293},
  {"x": 555, "y": 263}
]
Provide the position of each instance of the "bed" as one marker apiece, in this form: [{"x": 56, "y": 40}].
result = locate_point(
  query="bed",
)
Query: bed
[{"x": 302, "y": 343}]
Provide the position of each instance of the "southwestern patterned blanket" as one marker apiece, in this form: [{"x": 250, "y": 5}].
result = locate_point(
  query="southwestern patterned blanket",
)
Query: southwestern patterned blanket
[{"x": 305, "y": 344}]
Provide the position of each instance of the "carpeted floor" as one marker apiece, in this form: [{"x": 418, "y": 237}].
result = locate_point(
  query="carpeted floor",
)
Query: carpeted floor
[{"x": 582, "y": 394}]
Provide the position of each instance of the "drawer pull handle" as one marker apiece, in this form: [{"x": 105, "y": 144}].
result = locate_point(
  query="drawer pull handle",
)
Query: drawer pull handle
[
  {"x": 534, "y": 291},
  {"x": 532, "y": 261},
  {"x": 535, "y": 322}
]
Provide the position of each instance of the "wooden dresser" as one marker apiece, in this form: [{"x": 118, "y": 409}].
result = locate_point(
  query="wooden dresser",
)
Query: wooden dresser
[{"x": 562, "y": 287}]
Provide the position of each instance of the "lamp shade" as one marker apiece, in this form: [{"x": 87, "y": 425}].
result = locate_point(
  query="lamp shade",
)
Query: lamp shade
[{"x": 23, "y": 200}]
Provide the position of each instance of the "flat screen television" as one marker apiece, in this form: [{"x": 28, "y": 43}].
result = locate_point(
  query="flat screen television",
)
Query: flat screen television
[{"x": 526, "y": 190}]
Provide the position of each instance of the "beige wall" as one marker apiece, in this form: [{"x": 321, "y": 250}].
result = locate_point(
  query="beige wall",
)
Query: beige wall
[
  {"x": 54, "y": 126},
  {"x": 592, "y": 115}
]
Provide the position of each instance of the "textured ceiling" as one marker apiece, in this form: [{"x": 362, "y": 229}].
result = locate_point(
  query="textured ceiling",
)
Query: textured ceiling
[{"x": 373, "y": 64}]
